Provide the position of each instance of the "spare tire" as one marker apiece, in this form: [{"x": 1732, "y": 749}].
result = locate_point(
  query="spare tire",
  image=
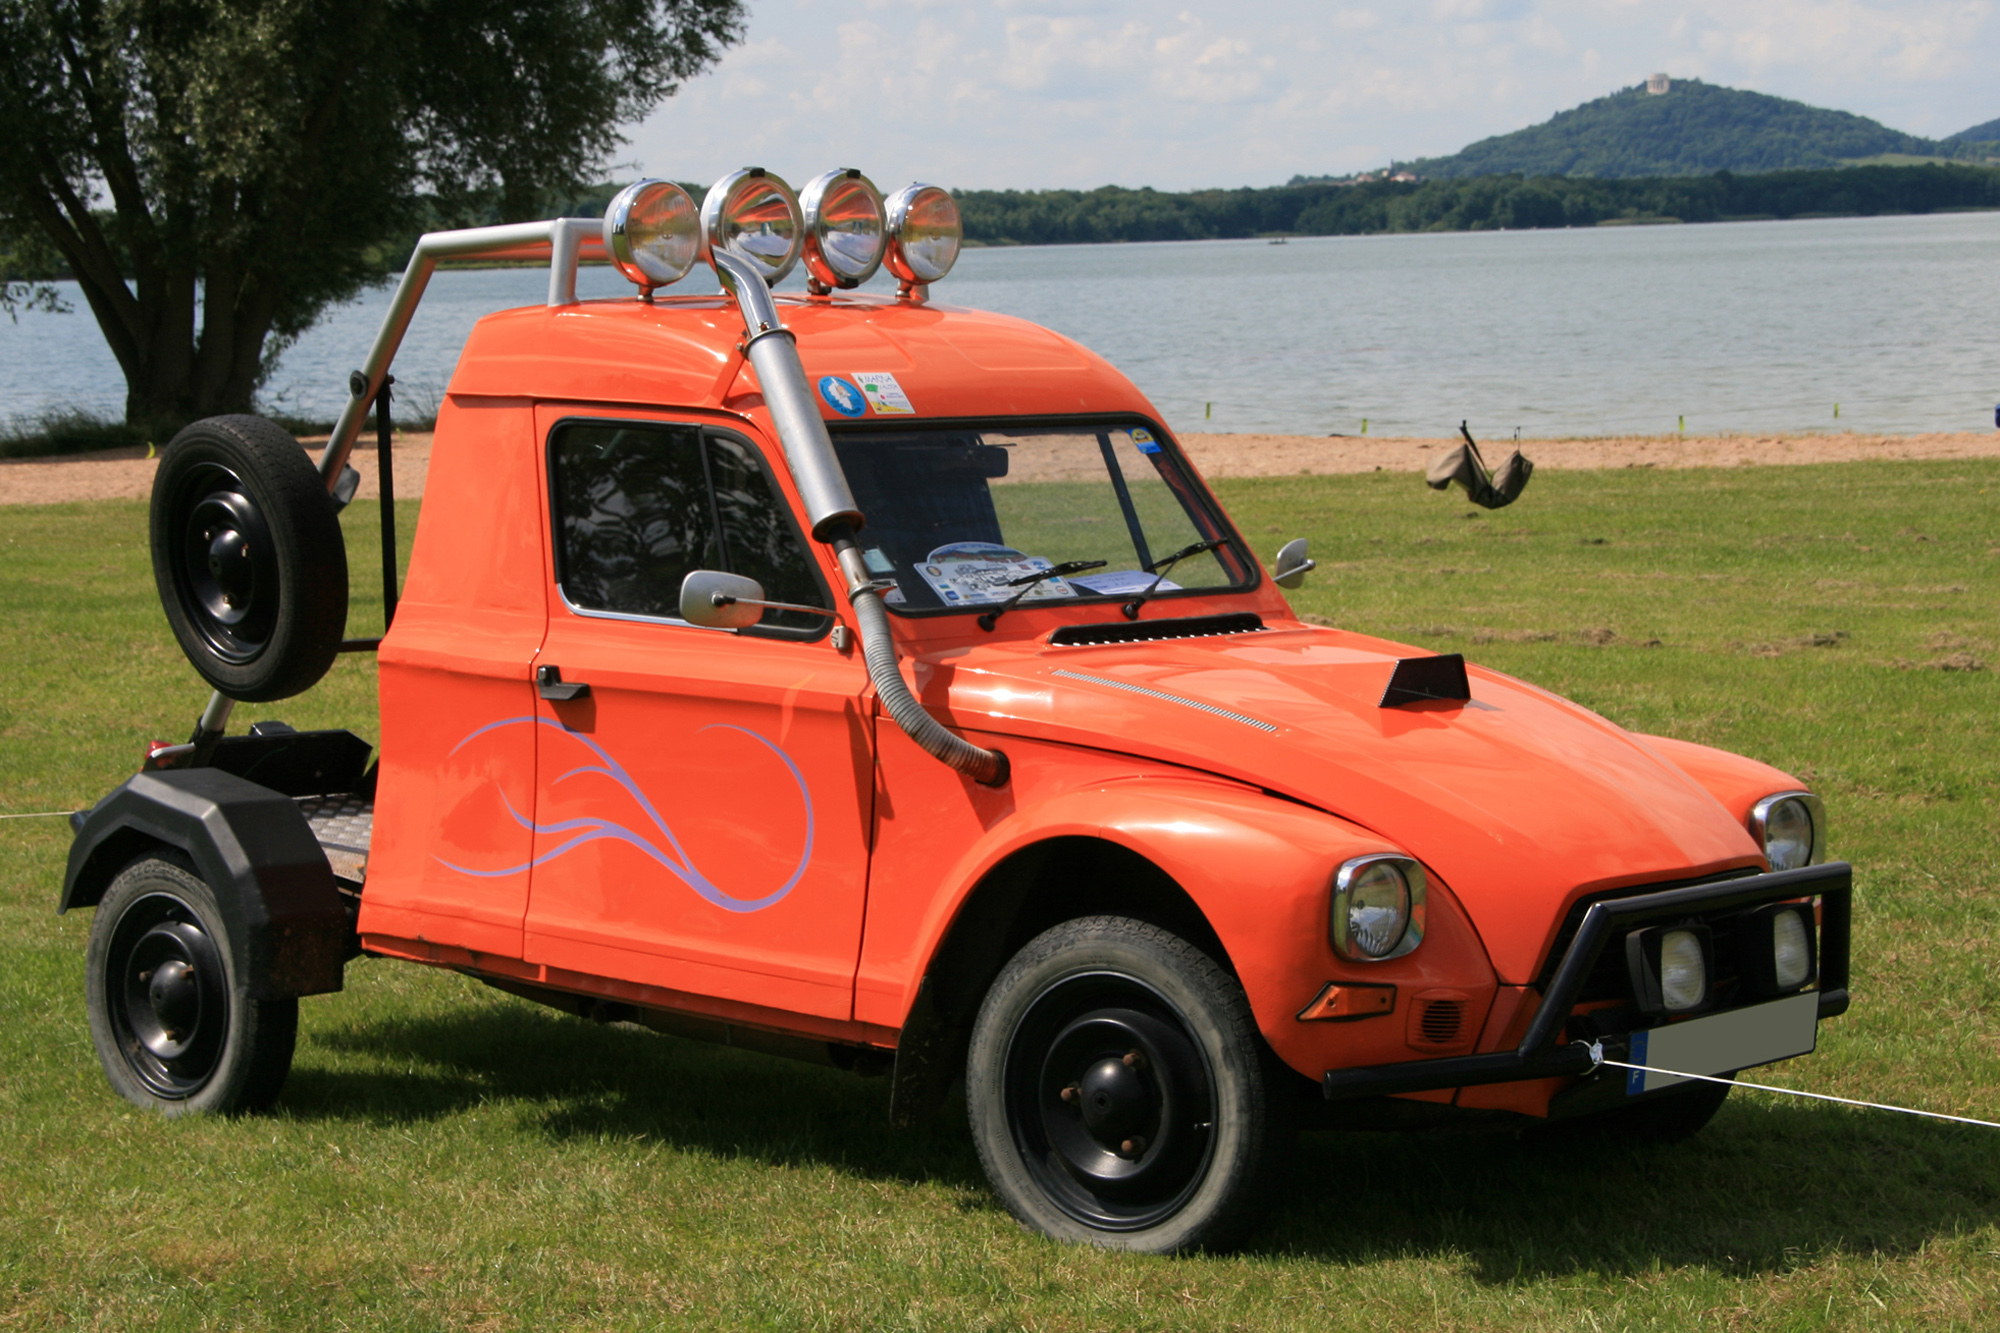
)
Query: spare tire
[{"x": 248, "y": 555}]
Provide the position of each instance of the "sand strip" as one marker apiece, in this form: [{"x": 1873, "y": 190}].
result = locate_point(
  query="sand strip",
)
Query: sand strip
[{"x": 127, "y": 474}]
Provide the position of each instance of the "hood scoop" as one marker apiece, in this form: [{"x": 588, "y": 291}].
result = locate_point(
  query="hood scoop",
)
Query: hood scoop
[
  {"x": 1148, "y": 631},
  {"x": 1419, "y": 678}
]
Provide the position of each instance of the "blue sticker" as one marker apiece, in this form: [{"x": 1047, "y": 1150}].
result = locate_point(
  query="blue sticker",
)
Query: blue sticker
[
  {"x": 842, "y": 397},
  {"x": 1144, "y": 439}
]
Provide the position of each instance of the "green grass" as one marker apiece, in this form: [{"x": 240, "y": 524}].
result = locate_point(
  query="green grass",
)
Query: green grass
[{"x": 447, "y": 1157}]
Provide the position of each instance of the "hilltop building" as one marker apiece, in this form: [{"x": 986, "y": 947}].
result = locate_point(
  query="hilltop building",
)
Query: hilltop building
[{"x": 1658, "y": 83}]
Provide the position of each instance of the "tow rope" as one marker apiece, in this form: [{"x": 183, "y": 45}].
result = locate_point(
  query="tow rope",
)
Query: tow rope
[
  {"x": 37, "y": 814},
  {"x": 1597, "y": 1058}
]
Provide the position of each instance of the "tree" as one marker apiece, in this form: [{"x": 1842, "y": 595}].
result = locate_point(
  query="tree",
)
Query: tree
[{"x": 215, "y": 173}]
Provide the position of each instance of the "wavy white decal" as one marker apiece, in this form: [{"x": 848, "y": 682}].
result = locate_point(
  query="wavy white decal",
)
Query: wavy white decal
[{"x": 672, "y": 857}]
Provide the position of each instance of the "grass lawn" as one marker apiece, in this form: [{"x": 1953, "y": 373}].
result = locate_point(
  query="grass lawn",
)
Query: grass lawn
[{"x": 446, "y": 1157}]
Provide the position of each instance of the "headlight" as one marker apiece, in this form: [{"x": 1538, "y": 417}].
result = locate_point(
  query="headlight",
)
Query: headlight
[
  {"x": 652, "y": 233},
  {"x": 1670, "y": 967},
  {"x": 1378, "y": 908},
  {"x": 753, "y": 215},
  {"x": 1791, "y": 826},
  {"x": 924, "y": 234},
  {"x": 1775, "y": 948},
  {"x": 846, "y": 229}
]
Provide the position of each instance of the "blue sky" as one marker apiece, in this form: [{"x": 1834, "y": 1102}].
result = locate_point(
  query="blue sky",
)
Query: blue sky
[{"x": 1046, "y": 93}]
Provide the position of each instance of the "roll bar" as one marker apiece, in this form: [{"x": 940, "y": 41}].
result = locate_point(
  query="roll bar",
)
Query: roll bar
[{"x": 562, "y": 241}]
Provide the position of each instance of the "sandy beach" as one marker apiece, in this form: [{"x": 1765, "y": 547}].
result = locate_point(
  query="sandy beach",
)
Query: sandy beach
[{"x": 127, "y": 474}]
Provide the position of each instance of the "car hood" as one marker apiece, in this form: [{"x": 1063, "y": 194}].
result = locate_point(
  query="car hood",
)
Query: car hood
[{"x": 1519, "y": 800}]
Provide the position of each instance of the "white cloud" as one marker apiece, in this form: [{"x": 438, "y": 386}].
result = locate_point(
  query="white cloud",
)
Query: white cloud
[{"x": 1037, "y": 93}]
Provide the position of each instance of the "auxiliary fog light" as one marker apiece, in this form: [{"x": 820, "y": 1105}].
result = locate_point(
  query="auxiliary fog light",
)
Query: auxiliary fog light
[
  {"x": 1378, "y": 908},
  {"x": 1670, "y": 967},
  {"x": 1792, "y": 828},
  {"x": 755, "y": 216},
  {"x": 652, "y": 233},
  {"x": 1775, "y": 949},
  {"x": 924, "y": 235},
  {"x": 847, "y": 229}
]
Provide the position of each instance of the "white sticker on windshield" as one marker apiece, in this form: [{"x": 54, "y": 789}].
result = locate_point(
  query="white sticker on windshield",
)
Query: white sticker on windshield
[
  {"x": 977, "y": 573},
  {"x": 884, "y": 394},
  {"x": 1118, "y": 582}
]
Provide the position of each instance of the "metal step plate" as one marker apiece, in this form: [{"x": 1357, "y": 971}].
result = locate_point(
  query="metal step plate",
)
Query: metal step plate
[{"x": 343, "y": 825}]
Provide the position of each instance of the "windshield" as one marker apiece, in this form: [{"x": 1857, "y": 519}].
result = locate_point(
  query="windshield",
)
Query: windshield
[{"x": 968, "y": 517}]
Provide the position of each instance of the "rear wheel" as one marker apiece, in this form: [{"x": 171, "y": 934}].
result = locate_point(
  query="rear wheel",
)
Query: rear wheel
[
  {"x": 168, "y": 1013},
  {"x": 1117, "y": 1090}
]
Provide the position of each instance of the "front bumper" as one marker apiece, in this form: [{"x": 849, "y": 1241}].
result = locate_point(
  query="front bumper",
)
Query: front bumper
[{"x": 1542, "y": 1054}]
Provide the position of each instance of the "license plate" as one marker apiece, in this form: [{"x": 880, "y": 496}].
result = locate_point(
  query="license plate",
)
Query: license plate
[{"x": 1724, "y": 1042}]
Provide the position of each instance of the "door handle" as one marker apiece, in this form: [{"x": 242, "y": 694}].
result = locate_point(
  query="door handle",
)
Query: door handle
[{"x": 551, "y": 686}]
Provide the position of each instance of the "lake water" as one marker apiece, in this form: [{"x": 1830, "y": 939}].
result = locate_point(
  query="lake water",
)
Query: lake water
[{"x": 1760, "y": 326}]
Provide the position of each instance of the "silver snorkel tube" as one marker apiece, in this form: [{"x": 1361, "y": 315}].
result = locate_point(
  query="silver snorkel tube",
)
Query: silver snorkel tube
[{"x": 832, "y": 515}]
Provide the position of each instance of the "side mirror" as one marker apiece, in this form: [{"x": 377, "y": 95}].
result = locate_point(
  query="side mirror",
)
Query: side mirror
[
  {"x": 716, "y": 600},
  {"x": 1290, "y": 569}
]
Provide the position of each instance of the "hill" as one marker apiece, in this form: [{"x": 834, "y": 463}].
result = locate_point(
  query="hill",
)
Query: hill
[
  {"x": 1987, "y": 133},
  {"x": 1693, "y": 129}
]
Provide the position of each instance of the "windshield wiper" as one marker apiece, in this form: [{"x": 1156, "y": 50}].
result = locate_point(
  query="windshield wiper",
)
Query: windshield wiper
[
  {"x": 1027, "y": 584},
  {"x": 1160, "y": 572}
]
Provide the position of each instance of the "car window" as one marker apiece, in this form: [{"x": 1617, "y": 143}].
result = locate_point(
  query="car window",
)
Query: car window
[{"x": 638, "y": 505}]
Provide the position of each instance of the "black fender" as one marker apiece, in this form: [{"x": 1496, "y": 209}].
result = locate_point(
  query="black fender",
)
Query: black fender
[{"x": 287, "y": 926}]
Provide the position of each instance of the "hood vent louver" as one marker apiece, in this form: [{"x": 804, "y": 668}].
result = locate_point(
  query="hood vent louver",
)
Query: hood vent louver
[{"x": 1149, "y": 631}]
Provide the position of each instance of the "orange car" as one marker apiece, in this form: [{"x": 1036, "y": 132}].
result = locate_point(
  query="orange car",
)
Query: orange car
[{"x": 874, "y": 681}]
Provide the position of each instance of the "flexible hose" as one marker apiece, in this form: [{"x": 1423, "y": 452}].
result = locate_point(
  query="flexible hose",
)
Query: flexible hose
[{"x": 878, "y": 650}]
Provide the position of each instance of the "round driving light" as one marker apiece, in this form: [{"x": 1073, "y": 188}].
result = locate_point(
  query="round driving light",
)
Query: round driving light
[
  {"x": 1378, "y": 908},
  {"x": 924, "y": 234},
  {"x": 1791, "y": 831},
  {"x": 753, "y": 215},
  {"x": 1791, "y": 951},
  {"x": 1683, "y": 971},
  {"x": 847, "y": 228},
  {"x": 652, "y": 233}
]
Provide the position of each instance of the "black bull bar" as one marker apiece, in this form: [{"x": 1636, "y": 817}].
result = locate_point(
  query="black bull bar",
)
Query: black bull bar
[{"x": 1539, "y": 1056}]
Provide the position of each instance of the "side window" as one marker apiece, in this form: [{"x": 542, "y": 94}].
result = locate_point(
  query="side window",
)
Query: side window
[
  {"x": 758, "y": 539},
  {"x": 639, "y": 505}
]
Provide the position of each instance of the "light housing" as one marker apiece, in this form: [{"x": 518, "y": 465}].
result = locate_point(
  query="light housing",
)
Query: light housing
[
  {"x": 1791, "y": 828},
  {"x": 1672, "y": 968},
  {"x": 754, "y": 216},
  {"x": 924, "y": 234},
  {"x": 1777, "y": 949},
  {"x": 1378, "y": 907},
  {"x": 652, "y": 232},
  {"x": 846, "y": 229}
]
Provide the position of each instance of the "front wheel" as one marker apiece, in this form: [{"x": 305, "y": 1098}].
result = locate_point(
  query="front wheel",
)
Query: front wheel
[
  {"x": 1117, "y": 1090},
  {"x": 168, "y": 1014}
]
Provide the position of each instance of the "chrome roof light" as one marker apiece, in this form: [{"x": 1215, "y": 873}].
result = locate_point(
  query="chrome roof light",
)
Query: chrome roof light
[
  {"x": 652, "y": 233},
  {"x": 754, "y": 216},
  {"x": 924, "y": 236},
  {"x": 846, "y": 229}
]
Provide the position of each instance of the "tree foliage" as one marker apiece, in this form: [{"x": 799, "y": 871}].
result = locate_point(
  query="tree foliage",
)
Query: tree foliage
[
  {"x": 214, "y": 173},
  {"x": 1691, "y": 129},
  {"x": 1481, "y": 203}
]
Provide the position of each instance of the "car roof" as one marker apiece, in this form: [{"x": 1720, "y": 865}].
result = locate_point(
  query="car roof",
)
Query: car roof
[{"x": 685, "y": 351}]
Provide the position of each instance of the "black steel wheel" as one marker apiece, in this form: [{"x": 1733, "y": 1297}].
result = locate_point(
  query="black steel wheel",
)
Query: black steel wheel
[
  {"x": 1117, "y": 1089},
  {"x": 248, "y": 555},
  {"x": 168, "y": 1013}
]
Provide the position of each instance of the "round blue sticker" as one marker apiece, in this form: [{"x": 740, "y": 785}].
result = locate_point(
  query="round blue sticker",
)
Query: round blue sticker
[{"x": 841, "y": 396}]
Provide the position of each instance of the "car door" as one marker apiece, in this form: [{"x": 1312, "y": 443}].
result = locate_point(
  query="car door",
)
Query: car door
[{"x": 702, "y": 806}]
